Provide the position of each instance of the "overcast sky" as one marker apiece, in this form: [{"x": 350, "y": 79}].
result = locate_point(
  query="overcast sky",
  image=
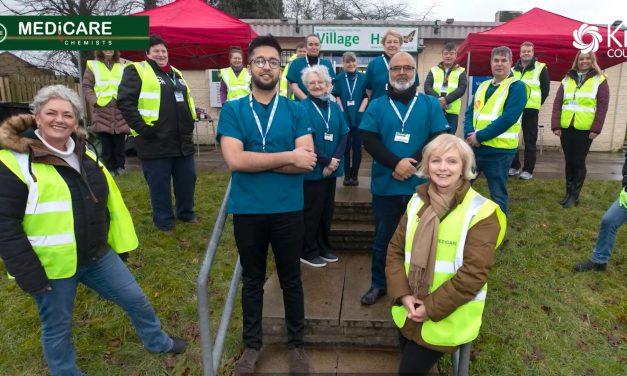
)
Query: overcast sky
[{"x": 588, "y": 11}]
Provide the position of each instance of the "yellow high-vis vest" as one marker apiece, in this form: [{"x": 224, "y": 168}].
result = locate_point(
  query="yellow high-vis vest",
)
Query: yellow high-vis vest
[
  {"x": 580, "y": 102},
  {"x": 461, "y": 326},
  {"x": 283, "y": 84},
  {"x": 106, "y": 81},
  {"x": 486, "y": 112},
  {"x": 532, "y": 80},
  {"x": 150, "y": 95},
  {"x": 236, "y": 86},
  {"x": 453, "y": 83},
  {"x": 49, "y": 220}
]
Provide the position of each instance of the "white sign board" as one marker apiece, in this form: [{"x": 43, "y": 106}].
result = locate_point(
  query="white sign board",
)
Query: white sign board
[
  {"x": 214, "y": 87},
  {"x": 362, "y": 38}
]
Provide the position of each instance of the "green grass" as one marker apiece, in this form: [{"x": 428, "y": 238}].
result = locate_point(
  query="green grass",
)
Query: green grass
[{"x": 540, "y": 317}]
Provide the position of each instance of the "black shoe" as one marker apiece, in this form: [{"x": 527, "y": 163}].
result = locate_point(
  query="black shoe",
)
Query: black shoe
[
  {"x": 563, "y": 201},
  {"x": 179, "y": 347},
  {"x": 347, "y": 181},
  {"x": 590, "y": 265},
  {"x": 570, "y": 202},
  {"x": 371, "y": 296}
]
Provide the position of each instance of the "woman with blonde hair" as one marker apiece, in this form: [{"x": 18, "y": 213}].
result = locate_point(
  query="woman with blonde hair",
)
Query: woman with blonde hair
[
  {"x": 440, "y": 256},
  {"x": 579, "y": 111}
]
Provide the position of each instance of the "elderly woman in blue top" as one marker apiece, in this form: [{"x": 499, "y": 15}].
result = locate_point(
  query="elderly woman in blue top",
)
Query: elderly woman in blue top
[
  {"x": 294, "y": 74},
  {"x": 351, "y": 90},
  {"x": 62, "y": 221},
  {"x": 330, "y": 134},
  {"x": 377, "y": 71}
]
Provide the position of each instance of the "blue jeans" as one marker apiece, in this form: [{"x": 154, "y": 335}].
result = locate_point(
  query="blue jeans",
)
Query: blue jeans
[
  {"x": 613, "y": 218},
  {"x": 110, "y": 278},
  {"x": 158, "y": 174},
  {"x": 388, "y": 211},
  {"x": 495, "y": 168},
  {"x": 452, "y": 120}
]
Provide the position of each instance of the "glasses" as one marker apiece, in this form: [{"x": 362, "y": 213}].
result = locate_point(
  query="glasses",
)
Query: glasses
[
  {"x": 260, "y": 62},
  {"x": 399, "y": 68}
]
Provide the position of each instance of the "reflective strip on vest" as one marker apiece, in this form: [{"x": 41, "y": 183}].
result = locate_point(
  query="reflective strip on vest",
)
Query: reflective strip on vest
[
  {"x": 106, "y": 81},
  {"x": 50, "y": 240},
  {"x": 150, "y": 94},
  {"x": 453, "y": 83},
  {"x": 485, "y": 113},
  {"x": 236, "y": 86},
  {"x": 533, "y": 82},
  {"x": 580, "y": 103}
]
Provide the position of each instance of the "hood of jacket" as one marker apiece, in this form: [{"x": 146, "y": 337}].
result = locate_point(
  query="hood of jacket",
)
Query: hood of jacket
[{"x": 17, "y": 133}]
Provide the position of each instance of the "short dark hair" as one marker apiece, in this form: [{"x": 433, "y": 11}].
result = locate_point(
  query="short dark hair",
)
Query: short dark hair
[
  {"x": 448, "y": 46},
  {"x": 301, "y": 45},
  {"x": 155, "y": 40},
  {"x": 264, "y": 40}
]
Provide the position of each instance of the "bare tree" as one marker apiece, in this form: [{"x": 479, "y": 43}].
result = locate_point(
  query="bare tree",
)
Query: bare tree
[{"x": 353, "y": 9}]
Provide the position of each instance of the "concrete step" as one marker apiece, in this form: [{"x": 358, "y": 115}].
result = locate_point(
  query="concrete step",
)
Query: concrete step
[
  {"x": 333, "y": 312},
  {"x": 331, "y": 360},
  {"x": 352, "y": 236}
]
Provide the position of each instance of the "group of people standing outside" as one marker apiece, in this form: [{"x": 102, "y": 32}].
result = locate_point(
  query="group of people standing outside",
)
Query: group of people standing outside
[{"x": 435, "y": 236}]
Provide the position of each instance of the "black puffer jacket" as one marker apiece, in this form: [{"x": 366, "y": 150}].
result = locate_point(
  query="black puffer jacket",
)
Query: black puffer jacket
[
  {"x": 89, "y": 193},
  {"x": 171, "y": 134}
]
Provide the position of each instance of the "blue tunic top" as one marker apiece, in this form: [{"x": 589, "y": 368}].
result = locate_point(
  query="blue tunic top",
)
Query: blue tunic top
[
  {"x": 268, "y": 191},
  {"x": 297, "y": 66},
  {"x": 342, "y": 90},
  {"x": 337, "y": 127},
  {"x": 426, "y": 118},
  {"x": 377, "y": 77}
]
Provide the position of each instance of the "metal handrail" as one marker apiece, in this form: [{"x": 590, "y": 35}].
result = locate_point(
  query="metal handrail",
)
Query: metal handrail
[{"x": 211, "y": 353}]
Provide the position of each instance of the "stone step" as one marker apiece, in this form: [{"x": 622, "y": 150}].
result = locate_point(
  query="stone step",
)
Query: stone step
[
  {"x": 352, "y": 236},
  {"x": 333, "y": 312}
]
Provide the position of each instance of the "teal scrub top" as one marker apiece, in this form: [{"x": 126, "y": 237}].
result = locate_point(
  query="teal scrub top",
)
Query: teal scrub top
[
  {"x": 337, "y": 127},
  {"x": 264, "y": 192},
  {"x": 341, "y": 90},
  {"x": 426, "y": 119},
  {"x": 297, "y": 66},
  {"x": 377, "y": 77}
]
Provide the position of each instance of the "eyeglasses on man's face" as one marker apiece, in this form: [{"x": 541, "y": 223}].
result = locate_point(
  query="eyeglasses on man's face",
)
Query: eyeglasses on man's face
[
  {"x": 260, "y": 62},
  {"x": 398, "y": 68}
]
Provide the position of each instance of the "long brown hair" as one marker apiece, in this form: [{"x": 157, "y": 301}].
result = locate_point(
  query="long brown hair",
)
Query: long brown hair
[{"x": 99, "y": 55}]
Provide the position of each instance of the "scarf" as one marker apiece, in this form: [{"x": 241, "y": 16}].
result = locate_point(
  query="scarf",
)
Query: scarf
[
  {"x": 404, "y": 96},
  {"x": 424, "y": 246}
]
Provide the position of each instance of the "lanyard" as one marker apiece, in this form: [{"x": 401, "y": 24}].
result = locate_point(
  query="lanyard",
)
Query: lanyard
[
  {"x": 385, "y": 61},
  {"x": 317, "y": 63},
  {"x": 172, "y": 79},
  {"x": 403, "y": 120},
  {"x": 263, "y": 135},
  {"x": 351, "y": 90},
  {"x": 326, "y": 122}
]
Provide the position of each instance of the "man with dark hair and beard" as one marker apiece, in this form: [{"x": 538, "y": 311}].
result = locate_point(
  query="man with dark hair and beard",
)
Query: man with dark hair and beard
[
  {"x": 395, "y": 127},
  {"x": 267, "y": 144}
]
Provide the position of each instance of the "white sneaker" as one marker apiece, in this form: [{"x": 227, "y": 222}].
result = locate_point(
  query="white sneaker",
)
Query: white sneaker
[
  {"x": 525, "y": 175},
  {"x": 513, "y": 172}
]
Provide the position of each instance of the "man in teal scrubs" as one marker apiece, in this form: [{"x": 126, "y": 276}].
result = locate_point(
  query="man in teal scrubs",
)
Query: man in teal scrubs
[
  {"x": 296, "y": 67},
  {"x": 267, "y": 144},
  {"x": 395, "y": 128}
]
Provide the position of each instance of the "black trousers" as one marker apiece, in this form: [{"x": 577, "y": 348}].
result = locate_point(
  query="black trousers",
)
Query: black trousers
[
  {"x": 253, "y": 234},
  {"x": 113, "y": 156},
  {"x": 416, "y": 359},
  {"x": 530, "y": 136},
  {"x": 319, "y": 204},
  {"x": 576, "y": 145}
]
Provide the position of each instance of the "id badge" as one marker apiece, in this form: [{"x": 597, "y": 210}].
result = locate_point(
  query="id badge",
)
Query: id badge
[
  {"x": 350, "y": 103},
  {"x": 179, "y": 96},
  {"x": 402, "y": 137},
  {"x": 328, "y": 137},
  {"x": 573, "y": 103}
]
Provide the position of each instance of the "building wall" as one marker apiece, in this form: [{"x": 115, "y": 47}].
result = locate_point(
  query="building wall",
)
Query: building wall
[{"x": 11, "y": 64}]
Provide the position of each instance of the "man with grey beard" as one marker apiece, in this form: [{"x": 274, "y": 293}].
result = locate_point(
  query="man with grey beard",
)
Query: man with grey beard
[{"x": 395, "y": 128}]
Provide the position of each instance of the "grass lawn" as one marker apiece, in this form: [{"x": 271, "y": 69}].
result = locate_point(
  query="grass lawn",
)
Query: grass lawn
[{"x": 540, "y": 318}]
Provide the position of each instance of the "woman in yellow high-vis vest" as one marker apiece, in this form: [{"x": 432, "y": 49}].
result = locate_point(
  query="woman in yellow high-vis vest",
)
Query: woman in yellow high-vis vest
[
  {"x": 100, "y": 85},
  {"x": 235, "y": 79},
  {"x": 440, "y": 256},
  {"x": 579, "y": 111},
  {"x": 63, "y": 222}
]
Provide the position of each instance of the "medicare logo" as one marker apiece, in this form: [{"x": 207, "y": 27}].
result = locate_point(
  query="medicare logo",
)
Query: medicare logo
[{"x": 594, "y": 36}]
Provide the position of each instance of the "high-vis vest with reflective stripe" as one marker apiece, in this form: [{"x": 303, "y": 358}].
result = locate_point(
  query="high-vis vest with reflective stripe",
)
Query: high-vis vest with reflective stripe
[
  {"x": 106, "y": 81},
  {"x": 49, "y": 221},
  {"x": 580, "y": 102},
  {"x": 150, "y": 95},
  {"x": 236, "y": 86},
  {"x": 532, "y": 80},
  {"x": 453, "y": 83},
  {"x": 283, "y": 84},
  {"x": 463, "y": 324},
  {"x": 485, "y": 113}
]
